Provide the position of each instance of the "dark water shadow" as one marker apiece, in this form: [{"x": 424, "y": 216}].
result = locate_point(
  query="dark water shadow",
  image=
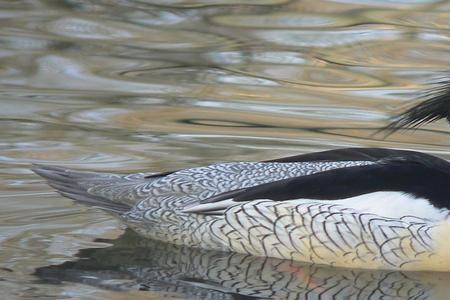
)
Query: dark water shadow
[{"x": 135, "y": 263}]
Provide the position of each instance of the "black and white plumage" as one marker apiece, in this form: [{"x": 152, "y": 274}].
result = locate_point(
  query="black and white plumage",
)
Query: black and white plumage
[{"x": 356, "y": 207}]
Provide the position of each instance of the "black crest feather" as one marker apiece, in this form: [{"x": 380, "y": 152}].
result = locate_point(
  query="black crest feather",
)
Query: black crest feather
[{"x": 436, "y": 106}]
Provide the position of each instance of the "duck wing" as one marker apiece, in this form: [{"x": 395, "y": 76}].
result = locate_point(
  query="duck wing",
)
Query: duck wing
[
  {"x": 177, "y": 190},
  {"x": 118, "y": 193},
  {"x": 416, "y": 174}
]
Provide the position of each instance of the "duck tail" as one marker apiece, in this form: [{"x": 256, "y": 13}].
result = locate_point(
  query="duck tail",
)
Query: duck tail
[{"x": 76, "y": 185}]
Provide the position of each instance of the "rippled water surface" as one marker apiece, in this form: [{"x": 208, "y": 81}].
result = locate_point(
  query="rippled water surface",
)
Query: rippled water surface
[{"x": 148, "y": 85}]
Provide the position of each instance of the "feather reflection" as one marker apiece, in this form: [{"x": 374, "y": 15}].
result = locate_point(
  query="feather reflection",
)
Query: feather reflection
[{"x": 134, "y": 263}]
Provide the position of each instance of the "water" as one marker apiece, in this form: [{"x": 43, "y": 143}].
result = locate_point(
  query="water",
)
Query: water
[{"x": 127, "y": 86}]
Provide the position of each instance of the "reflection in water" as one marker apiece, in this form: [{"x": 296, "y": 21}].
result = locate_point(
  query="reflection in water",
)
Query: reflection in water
[
  {"x": 132, "y": 263},
  {"x": 158, "y": 85}
]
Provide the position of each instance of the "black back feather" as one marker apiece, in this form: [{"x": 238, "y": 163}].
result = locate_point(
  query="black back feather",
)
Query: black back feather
[
  {"x": 347, "y": 154},
  {"x": 418, "y": 174},
  {"x": 435, "y": 107}
]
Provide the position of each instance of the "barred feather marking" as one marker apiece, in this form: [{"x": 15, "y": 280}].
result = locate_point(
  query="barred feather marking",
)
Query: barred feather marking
[{"x": 323, "y": 233}]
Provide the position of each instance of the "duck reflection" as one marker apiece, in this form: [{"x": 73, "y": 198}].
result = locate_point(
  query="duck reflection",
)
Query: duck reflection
[{"x": 134, "y": 263}]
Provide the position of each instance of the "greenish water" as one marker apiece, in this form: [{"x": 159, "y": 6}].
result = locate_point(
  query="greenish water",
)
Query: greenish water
[{"x": 125, "y": 86}]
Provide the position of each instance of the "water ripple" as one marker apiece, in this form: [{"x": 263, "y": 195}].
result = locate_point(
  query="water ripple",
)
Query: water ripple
[
  {"x": 325, "y": 77},
  {"x": 420, "y": 19},
  {"x": 282, "y": 20},
  {"x": 402, "y": 54},
  {"x": 326, "y": 38},
  {"x": 72, "y": 74},
  {"x": 149, "y": 38}
]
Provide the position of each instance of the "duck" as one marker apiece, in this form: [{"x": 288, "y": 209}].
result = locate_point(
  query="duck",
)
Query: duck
[{"x": 361, "y": 208}]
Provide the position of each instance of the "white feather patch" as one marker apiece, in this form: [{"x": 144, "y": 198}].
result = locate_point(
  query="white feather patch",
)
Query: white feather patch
[
  {"x": 392, "y": 205},
  {"x": 386, "y": 204}
]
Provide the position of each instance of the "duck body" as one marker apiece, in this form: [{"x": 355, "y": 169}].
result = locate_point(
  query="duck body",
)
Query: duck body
[{"x": 355, "y": 207}]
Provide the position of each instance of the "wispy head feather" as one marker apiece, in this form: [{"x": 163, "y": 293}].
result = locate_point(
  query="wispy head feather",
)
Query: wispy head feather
[{"x": 435, "y": 107}]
